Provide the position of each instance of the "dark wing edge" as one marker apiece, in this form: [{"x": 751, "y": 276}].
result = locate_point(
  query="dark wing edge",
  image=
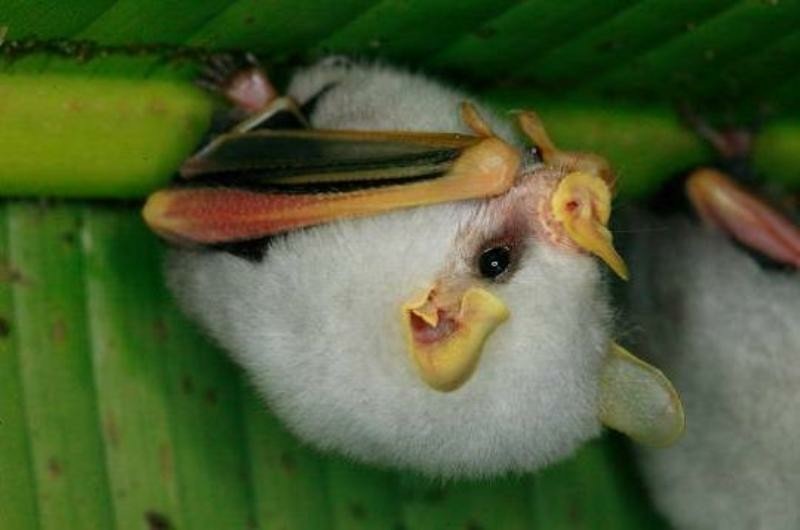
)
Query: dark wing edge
[
  {"x": 322, "y": 160},
  {"x": 324, "y": 176}
]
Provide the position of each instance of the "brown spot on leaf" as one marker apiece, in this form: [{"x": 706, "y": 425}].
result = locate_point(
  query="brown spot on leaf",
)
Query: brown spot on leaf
[
  {"x": 249, "y": 20},
  {"x": 54, "y": 467},
  {"x": 74, "y": 105},
  {"x": 165, "y": 462},
  {"x": 189, "y": 123},
  {"x": 160, "y": 329},
  {"x": 288, "y": 463},
  {"x": 59, "y": 331},
  {"x": 357, "y": 510},
  {"x": 574, "y": 511},
  {"x": 211, "y": 397},
  {"x": 157, "y": 106},
  {"x": 187, "y": 384},
  {"x": 157, "y": 521},
  {"x": 69, "y": 238},
  {"x": 11, "y": 274},
  {"x": 112, "y": 432},
  {"x": 5, "y": 327},
  {"x": 473, "y": 525}
]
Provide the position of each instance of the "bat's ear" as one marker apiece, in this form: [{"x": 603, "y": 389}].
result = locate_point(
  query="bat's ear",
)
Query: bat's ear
[
  {"x": 638, "y": 400},
  {"x": 473, "y": 119},
  {"x": 582, "y": 204},
  {"x": 532, "y": 126},
  {"x": 582, "y": 199},
  {"x": 738, "y": 212}
]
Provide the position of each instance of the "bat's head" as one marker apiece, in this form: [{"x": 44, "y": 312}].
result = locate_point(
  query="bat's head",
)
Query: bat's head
[{"x": 463, "y": 338}]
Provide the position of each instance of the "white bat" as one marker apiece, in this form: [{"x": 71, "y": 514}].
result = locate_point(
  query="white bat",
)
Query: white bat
[
  {"x": 724, "y": 323},
  {"x": 403, "y": 282}
]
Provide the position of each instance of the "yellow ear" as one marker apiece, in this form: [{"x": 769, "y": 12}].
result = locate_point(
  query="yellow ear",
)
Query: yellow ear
[
  {"x": 638, "y": 400},
  {"x": 533, "y": 128},
  {"x": 473, "y": 119},
  {"x": 582, "y": 204}
]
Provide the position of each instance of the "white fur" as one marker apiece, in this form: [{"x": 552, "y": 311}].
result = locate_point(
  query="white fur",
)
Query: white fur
[
  {"x": 317, "y": 323},
  {"x": 726, "y": 333},
  {"x": 378, "y": 97}
]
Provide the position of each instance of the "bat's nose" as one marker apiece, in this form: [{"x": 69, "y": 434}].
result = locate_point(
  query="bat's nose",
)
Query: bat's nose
[{"x": 445, "y": 341}]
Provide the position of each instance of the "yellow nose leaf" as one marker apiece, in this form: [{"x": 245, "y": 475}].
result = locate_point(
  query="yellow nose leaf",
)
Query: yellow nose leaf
[
  {"x": 422, "y": 306},
  {"x": 447, "y": 353},
  {"x": 582, "y": 203}
]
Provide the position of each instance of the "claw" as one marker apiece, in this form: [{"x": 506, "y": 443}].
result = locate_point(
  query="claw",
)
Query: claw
[{"x": 244, "y": 83}]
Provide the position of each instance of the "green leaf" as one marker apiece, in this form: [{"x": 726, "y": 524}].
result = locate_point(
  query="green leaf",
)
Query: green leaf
[
  {"x": 17, "y": 483},
  {"x": 58, "y": 386}
]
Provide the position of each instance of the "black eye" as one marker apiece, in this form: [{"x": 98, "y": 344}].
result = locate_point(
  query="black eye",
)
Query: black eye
[
  {"x": 495, "y": 261},
  {"x": 533, "y": 156}
]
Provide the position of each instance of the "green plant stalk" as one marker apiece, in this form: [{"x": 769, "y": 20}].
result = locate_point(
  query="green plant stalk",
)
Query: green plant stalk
[
  {"x": 101, "y": 138},
  {"x": 648, "y": 145},
  {"x": 76, "y": 137}
]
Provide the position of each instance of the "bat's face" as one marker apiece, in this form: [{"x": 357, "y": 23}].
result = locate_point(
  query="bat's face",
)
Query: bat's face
[{"x": 463, "y": 338}]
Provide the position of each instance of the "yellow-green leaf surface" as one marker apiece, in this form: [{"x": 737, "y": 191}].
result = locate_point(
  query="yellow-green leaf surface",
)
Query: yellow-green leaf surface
[{"x": 115, "y": 413}]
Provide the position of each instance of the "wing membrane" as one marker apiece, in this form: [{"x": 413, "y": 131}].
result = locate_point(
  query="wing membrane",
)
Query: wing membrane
[
  {"x": 225, "y": 200},
  {"x": 275, "y": 159}
]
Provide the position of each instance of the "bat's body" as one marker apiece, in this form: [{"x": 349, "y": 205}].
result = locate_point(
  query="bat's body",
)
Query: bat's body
[
  {"x": 725, "y": 327},
  {"x": 727, "y": 334},
  {"x": 324, "y": 321}
]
